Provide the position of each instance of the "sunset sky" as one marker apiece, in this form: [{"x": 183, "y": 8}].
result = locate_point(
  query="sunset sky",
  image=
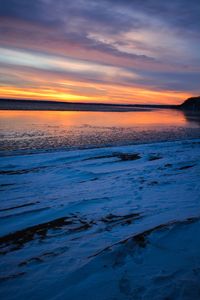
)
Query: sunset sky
[{"x": 109, "y": 51}]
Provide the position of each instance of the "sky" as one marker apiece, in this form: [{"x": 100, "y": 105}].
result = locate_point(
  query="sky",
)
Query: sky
[{"x": 108, "y": 51}]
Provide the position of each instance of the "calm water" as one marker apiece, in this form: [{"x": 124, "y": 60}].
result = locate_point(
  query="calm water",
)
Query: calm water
[{"x": 36, "y": 130}]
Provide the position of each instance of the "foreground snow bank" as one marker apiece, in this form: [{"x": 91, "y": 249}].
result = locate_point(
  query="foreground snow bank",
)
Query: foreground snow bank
[
  {"x": 94, "y": 224},
  {"x": 163, "y": 264}
]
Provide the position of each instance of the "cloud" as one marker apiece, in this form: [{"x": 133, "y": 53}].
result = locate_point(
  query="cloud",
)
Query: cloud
[{"x": 151, "y": 43}]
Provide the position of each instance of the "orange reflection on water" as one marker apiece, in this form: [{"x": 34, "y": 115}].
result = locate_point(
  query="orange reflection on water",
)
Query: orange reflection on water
[{"x": 32, "y": 119}]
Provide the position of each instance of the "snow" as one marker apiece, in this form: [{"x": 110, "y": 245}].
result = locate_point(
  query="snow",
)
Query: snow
[{"x": 102, "y": 223}]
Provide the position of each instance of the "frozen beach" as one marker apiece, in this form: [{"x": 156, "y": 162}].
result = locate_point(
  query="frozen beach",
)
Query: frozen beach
[{"x": 107, "y": 223}]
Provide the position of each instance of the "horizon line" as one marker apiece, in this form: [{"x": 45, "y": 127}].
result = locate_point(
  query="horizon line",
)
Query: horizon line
[{"x": 88, "y": 103}]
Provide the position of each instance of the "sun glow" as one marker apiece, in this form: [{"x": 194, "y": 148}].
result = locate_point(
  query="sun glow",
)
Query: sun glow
[
  {"x": 51, "y": 77},
  {"x": 93, "y": 93}
]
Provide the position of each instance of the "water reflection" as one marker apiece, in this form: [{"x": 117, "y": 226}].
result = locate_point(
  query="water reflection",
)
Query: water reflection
[
  {"x": 102, "y": 119},
  {"x": 192, "y": 117},
  {"x": 55, "y": 129}
]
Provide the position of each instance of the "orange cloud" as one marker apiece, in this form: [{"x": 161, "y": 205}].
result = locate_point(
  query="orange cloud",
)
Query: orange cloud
[{"x": 109, "y": 94}]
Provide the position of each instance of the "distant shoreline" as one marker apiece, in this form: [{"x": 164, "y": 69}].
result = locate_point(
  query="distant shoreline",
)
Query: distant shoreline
[{"x": 37, "y": 105}]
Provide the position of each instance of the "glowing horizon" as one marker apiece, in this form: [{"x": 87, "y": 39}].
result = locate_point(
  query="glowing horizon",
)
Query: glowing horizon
[
  {"x": 148, "y": 96},
  {"x": 102, "y": 52}
]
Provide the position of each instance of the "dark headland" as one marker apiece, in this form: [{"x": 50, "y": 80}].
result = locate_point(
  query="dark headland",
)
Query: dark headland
[
  {"x": 192, "y": 104},
  {"x": 12, "y": 104}
]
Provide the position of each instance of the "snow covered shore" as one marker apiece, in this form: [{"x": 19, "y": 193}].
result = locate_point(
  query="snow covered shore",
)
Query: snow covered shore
[{"x": 108, "y": 223}]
